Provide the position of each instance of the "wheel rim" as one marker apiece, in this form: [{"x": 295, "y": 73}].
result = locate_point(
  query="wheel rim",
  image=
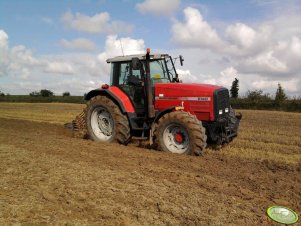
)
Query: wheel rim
[
  {"x": 176, "y": 138},
  {"x": 102, "y": 123}
]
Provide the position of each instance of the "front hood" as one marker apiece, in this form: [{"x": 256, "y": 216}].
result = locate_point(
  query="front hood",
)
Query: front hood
[
  {"x": 185, "y": 89},
  {"x": 202, "y": 100}
]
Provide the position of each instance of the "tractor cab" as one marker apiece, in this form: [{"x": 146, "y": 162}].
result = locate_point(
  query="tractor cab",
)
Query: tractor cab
[{"x": 128, "y": 73}]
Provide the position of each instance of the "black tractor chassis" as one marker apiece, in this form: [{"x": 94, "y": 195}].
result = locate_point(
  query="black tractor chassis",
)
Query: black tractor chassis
[{"x": 223, "y": 130}]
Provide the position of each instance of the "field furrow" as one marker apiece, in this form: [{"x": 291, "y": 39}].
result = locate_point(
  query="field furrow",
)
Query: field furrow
[{"x": 49, "y": 177}]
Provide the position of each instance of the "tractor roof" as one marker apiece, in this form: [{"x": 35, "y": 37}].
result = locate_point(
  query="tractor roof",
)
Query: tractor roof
[{"x": 140, "y": 56}]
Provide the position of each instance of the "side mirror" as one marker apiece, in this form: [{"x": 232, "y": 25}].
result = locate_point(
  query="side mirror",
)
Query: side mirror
[
  {"x": 136, "y": 64},
  {"x": 181, "y": 60}
]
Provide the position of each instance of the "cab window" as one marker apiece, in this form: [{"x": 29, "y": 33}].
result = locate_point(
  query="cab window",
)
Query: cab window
[{"x": 158, "y": 71}]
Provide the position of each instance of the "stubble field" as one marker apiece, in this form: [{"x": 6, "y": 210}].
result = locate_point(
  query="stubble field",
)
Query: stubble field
[{"x": 50, "y": 177}]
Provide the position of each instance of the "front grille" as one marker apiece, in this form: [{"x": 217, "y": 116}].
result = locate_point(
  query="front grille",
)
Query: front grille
[{"x": 221, "y": 102}]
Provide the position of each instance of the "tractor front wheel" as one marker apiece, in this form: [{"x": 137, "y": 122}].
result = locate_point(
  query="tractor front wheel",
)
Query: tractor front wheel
[
  {"x": 180, "y": 132},
  {"x": 105, "y": 122}
]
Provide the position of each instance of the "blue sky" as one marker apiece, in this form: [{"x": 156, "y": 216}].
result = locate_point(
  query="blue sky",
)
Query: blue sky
[{"x": 62, "y": 45}]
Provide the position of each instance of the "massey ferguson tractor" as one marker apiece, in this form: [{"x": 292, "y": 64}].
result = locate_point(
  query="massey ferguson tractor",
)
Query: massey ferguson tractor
[{"x": 146, "y": 101}]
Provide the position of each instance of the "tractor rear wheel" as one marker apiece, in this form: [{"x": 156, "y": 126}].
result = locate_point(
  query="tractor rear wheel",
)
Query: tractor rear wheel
[
  {"x": 105, "y": 122},
  {"x": 180, "y": 132}
]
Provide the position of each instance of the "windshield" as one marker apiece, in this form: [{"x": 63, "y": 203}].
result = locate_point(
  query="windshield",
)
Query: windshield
[
  {"x": 170, "y": 67},
  {"x": 159, "y": 72}
]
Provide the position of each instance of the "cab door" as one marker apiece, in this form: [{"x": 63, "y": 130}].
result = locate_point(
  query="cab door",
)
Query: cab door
[{"x": 130, "y": 82}]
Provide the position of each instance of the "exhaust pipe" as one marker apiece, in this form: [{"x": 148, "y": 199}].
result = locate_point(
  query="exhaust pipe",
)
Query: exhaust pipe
[{"x": 149, "y": 90}]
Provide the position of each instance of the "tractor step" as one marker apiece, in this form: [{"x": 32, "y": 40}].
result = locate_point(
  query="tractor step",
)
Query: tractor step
[
  {"x": 140, "y": 128},
  {"x": 140, "y": 138}
]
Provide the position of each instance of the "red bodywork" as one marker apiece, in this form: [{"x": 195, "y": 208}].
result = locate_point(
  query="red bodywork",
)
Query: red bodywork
[
  {"x": 195, "y": 98},
  {"x": 125, "y": 100}
]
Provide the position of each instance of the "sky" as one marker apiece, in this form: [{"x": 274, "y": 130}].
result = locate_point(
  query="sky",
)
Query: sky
[{"x": 62, "y": 45}]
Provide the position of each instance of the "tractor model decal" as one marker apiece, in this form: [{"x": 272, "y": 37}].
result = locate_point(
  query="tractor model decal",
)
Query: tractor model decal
[{"x": 183, "y": 98}]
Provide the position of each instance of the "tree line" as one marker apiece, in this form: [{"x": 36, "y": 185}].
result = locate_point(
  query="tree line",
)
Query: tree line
[
  {"x": 253, "y": 99},
  {"x": 257, "y": 99},
  {"x": 41, "y": 93},
  {"x": 42, "y": 96},
  {"x": 258, "y": 94},
  {"x": 47, "y": 93}
]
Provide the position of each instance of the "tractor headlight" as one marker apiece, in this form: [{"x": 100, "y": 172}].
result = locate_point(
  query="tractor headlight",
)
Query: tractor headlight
[
  {"x": 226, "y": 110},
  {"x": 220, "y": 112}
]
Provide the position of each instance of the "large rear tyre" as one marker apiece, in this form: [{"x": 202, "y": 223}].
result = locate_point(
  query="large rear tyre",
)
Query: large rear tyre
[
  {"x": 105, "y": 122},
  {"x": 180, "y": 132}
]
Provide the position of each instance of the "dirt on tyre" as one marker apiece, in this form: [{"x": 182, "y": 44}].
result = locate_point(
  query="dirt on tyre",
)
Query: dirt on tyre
[
  {"x": 180, "y": 132},
  {"x": 105, "y": 121}
]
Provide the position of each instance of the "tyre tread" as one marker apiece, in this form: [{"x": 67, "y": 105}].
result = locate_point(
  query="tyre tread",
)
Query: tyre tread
[
  {"x": 122, "y": 128},
  {"x": 193, "y": 125}
]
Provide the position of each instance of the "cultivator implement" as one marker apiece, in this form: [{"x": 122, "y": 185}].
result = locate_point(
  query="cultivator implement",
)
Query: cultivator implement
[{"x": 79, "y": 124}]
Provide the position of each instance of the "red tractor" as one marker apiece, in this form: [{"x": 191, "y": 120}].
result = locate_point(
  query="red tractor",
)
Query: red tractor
[{"x": 146, "y": 101}]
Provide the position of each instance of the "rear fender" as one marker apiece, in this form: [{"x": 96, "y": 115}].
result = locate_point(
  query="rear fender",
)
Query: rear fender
[{"x": 116, "y": 95}]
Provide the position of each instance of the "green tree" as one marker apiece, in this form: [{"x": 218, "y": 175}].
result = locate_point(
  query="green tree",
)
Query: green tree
[
  {"x": 66, "y": 94},
  {"x": 257, "y": 95},
  {"x": 234, "y": 88},
  {"x": 35, "y": 93},
  {"x": 280, "y": 95},
  {"x": 46, "y": 93}
]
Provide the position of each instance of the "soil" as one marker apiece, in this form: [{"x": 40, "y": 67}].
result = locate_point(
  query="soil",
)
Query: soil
[{"x": 50, "y": 177}]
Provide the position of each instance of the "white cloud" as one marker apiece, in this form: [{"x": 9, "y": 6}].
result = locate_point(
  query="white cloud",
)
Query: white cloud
[
  {"x": 3, "y": 53},
  {"x": 241, "y": 34},
  {"x": 288, "y": 85},
  {"x": 225, "y": 78},
  {"x": 79, "y": 43},
  {"x": 129, "y": 46},
  {"x": 195, "y": 31},
  {"x": 21, "y": 72},
  {"x": 59, "y": 68},
  {"x": 21, "y": 55},
  {"x": 295, "y": 46},
  {"x": 264, "y": 63},
  {"x": 81, "y": 84},
  {"x": 240, "y": 39},
  {"x": 97, "y": 24},
  {"x": 186, "y": 76},
  {"x": 3, "y": 39},
  {"x": 162, "y": 7},
  {"x": 268, "y": 52},
  {"x": 113, "y": 48},
  {"x": 281, "y": 59},
  {"x": 76, "y": 86},
  {"x": 14, "y": 61}
]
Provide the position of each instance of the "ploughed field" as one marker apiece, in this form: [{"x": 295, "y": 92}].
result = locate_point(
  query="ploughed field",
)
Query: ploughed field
[{"x": 50, "y": 177}]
